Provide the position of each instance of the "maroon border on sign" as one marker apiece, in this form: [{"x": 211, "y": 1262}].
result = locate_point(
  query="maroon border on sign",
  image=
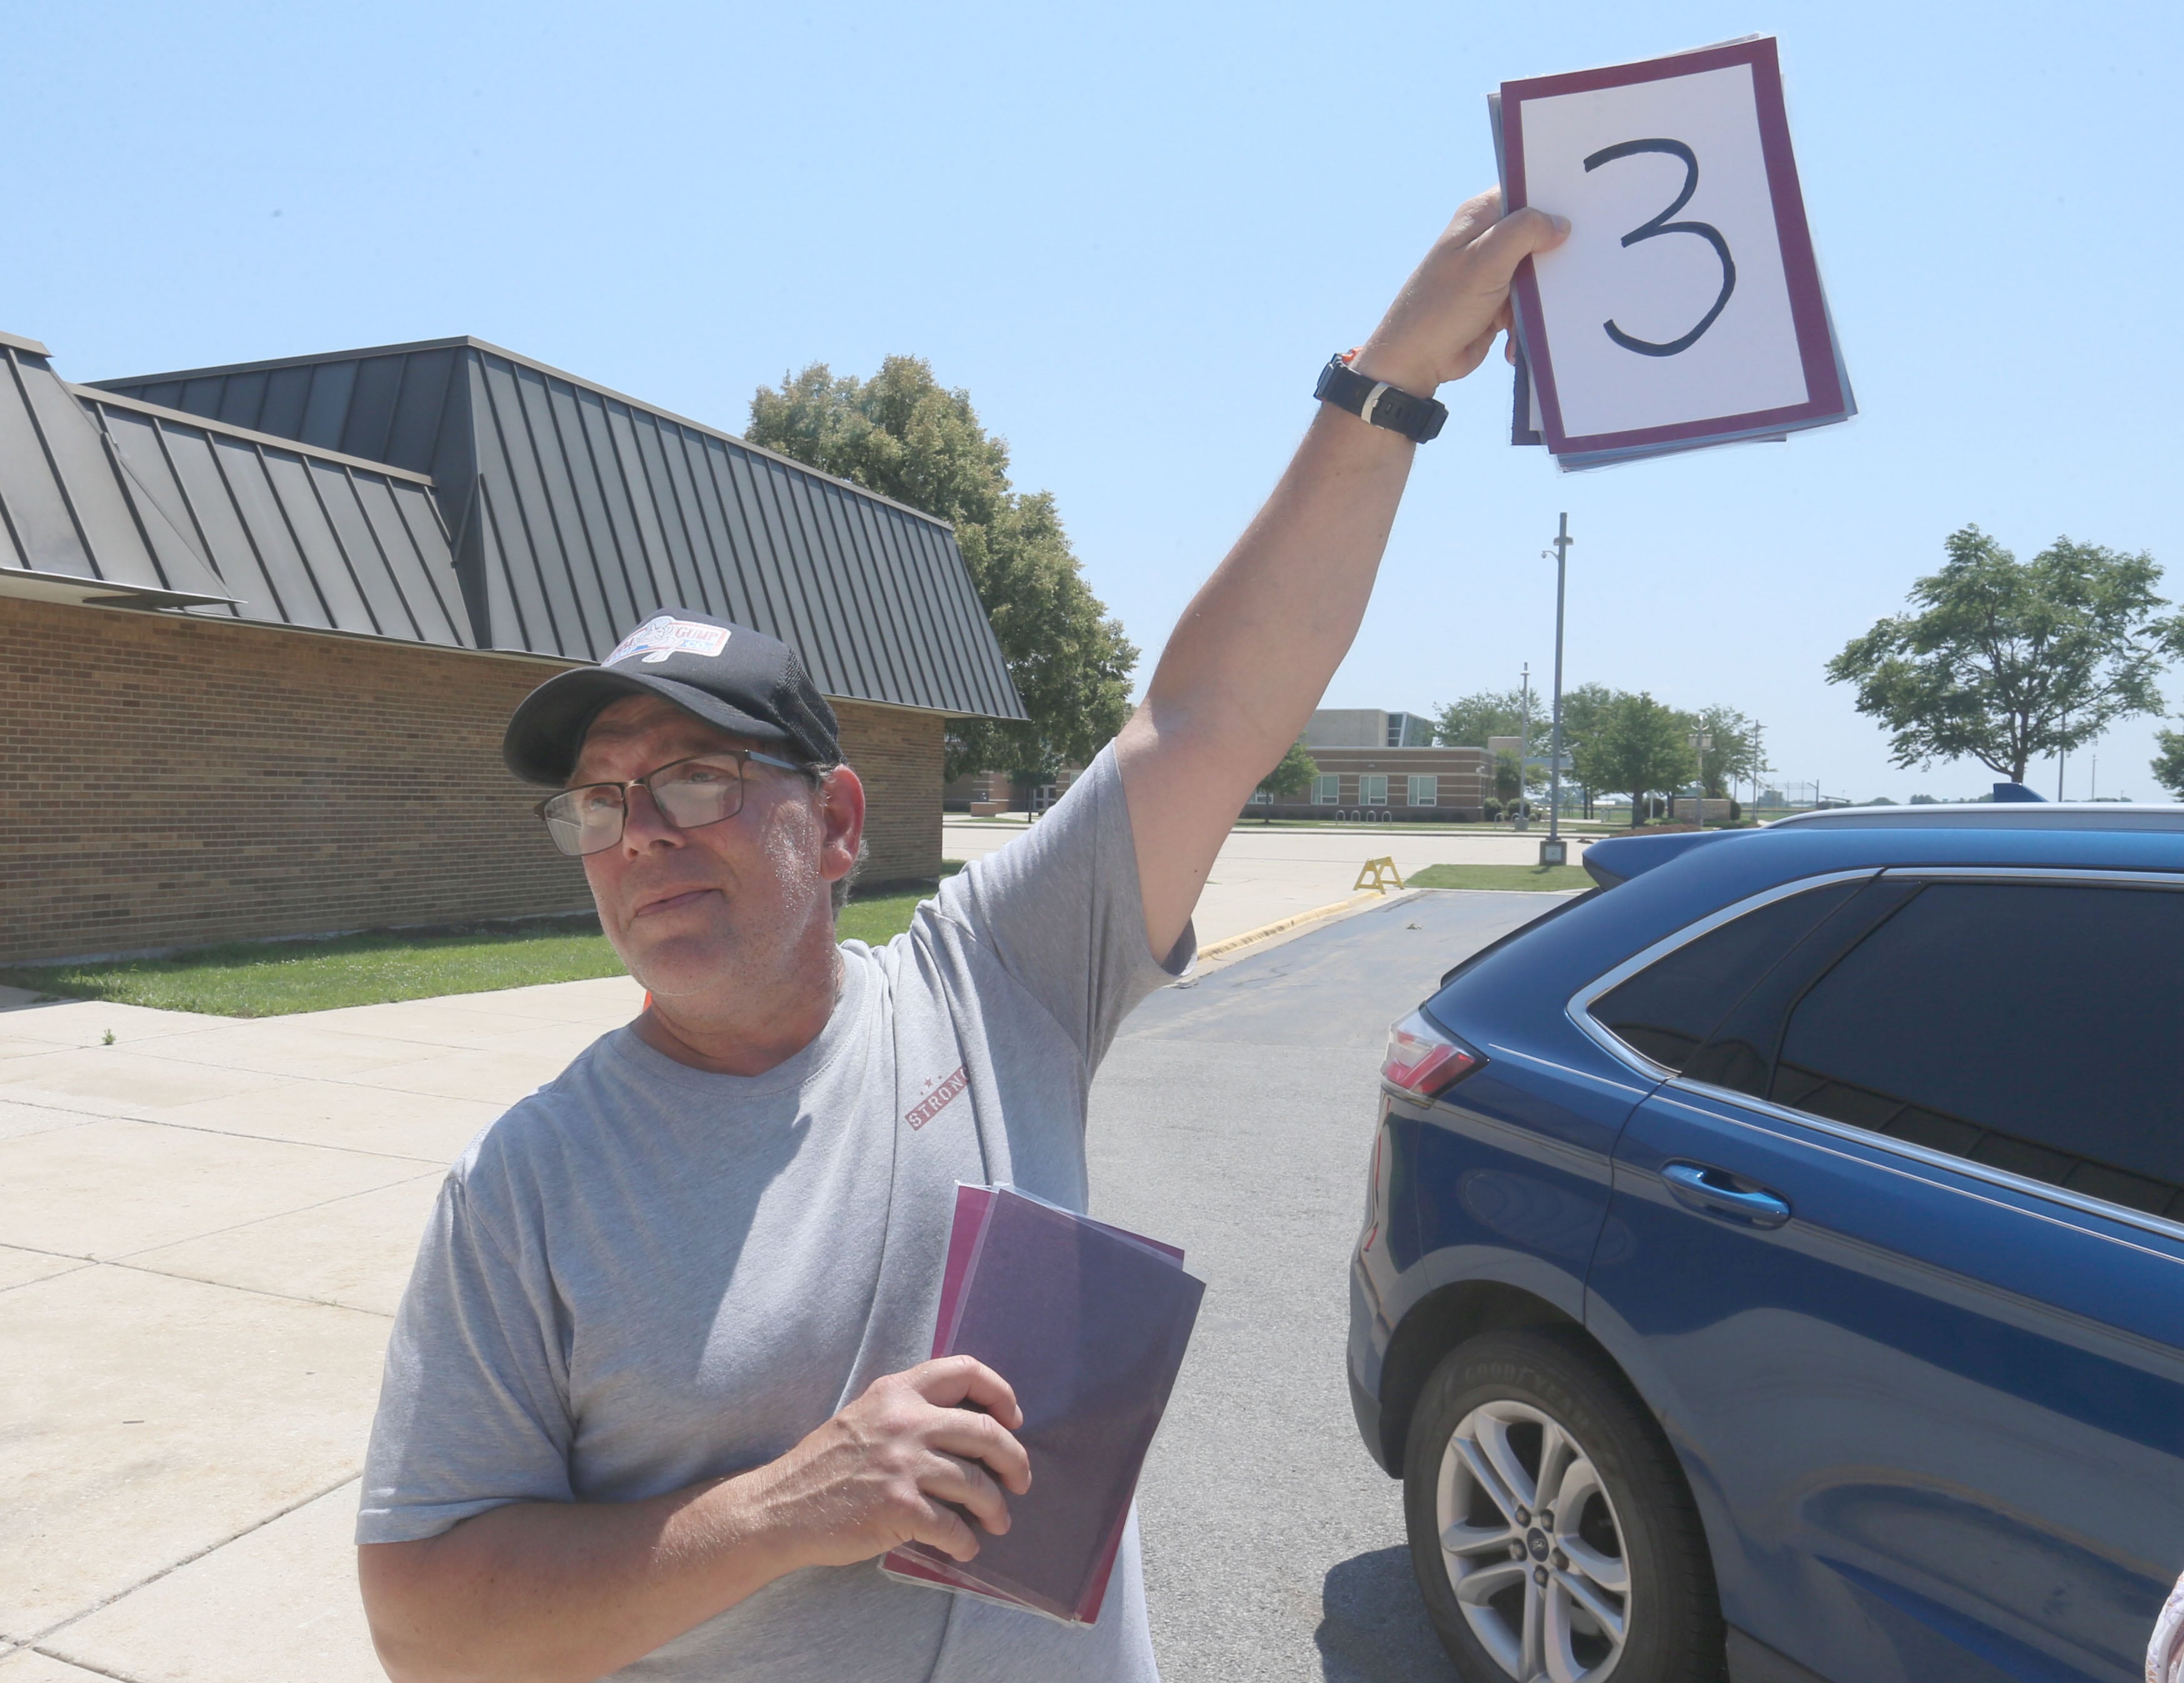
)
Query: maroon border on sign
[{"x": 1800, "y": 270}]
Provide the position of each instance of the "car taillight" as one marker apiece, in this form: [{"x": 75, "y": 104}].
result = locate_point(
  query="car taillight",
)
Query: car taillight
[{"x": 1424, "y": 1058}]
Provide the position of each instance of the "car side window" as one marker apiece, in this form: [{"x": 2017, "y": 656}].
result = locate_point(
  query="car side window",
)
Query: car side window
[
  {"x": 1667, "y": 1009},
  {"x": 2032, "y": 1027}
]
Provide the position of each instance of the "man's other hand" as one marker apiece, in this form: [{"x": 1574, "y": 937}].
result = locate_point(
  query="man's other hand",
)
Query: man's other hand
[
  {"x": 897, "y": 1465},
  {"x": 1443, "y": 322}
]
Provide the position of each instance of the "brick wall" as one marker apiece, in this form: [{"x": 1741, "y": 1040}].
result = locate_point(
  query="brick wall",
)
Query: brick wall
[
  {"x": 168, "y": 782},
  {"x": 898, "y": 755}
]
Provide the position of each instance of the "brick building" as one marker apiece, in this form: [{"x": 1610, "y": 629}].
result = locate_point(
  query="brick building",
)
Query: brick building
[
  {"x": 261, "y": 626},
  {"x": 1419, "y": 785},
  {"x": 1376, "y": 765}
]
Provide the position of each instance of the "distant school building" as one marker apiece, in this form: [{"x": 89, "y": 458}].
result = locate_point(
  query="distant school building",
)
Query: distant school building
[
  {"x": 261, "y": 626},
  {"x": 1379, "y": 765}
]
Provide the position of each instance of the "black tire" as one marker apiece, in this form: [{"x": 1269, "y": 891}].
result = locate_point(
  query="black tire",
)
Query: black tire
[{"x": 1636, "y": 1520}]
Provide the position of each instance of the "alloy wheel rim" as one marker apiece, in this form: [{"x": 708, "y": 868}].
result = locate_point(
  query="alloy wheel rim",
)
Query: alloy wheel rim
[{"x": 1533, "y": 1546}]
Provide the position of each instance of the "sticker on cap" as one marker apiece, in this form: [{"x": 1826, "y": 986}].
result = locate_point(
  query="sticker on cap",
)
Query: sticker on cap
[{"x": 665, "y": 635}]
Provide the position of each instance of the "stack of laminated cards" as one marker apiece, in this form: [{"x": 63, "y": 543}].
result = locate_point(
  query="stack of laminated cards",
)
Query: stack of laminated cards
[
  {"x": 1685, "y": 307},
  {"x": 1088, "y": 1324}
]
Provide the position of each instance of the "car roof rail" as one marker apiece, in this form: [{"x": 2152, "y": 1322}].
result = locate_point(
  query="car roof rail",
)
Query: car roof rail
[
  {"x": 1620, "y": 858},
  {"x": 1995, "y": 815}
]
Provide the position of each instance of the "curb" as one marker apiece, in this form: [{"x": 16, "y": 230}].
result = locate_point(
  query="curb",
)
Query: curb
[{"x": 1282, "y": 926}]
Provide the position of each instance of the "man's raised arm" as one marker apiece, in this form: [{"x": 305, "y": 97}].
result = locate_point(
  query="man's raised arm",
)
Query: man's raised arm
[{"x": 1253, "y": 653}]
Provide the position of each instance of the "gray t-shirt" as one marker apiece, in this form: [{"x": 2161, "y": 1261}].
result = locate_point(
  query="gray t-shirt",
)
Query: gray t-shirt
[{"x": 644, "y": 1275}]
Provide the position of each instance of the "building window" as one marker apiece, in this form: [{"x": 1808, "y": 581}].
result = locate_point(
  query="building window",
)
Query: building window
[
  {"x": 1261, "y": 798},
  {"x": 1373, "y": 791},
  {"x": 1327, "y": 791},
  {"x": 1426, "y": 791}
]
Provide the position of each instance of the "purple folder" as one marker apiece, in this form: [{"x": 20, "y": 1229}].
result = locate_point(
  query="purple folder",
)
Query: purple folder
[{"x": 1089, "y": 1324}]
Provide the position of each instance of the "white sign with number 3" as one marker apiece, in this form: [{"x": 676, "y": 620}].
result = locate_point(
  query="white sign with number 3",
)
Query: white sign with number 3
[{"x": 1685, "y": 305}]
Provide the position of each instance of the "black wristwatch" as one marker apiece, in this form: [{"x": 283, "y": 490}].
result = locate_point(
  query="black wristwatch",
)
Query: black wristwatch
[{"x": 1418, "y": 419}]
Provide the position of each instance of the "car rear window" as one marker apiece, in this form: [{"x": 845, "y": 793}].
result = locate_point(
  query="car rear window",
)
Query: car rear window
[
  {"x": 1667, "y": 1010},
  {"x": 2032, "y": 1027}
]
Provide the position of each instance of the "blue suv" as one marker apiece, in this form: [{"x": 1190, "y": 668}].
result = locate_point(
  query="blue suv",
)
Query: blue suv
[{"x": 1773, "y": 1259}]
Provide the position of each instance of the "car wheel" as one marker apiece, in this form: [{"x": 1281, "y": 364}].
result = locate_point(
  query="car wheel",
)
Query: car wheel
[{"x": 1550, "y": 1529}]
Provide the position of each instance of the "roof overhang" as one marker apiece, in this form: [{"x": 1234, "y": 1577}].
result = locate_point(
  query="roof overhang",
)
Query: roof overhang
[{"x": 96, "y": 593}]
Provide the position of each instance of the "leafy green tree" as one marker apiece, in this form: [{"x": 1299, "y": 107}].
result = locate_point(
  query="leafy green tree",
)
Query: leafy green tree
[
  {"x": 2169, "y": 763},
  {"x": 1468, "y": 721},
  {"x": 1293, "y": 776},
  {"x": 1734, "y": 754},
  {"x": 903, "y": 434},
  {"x": 2003, "y": 661},
  {"x": 1583, "y": 709},
  {"x": 1635, "y": 744},
  {"x": 1509, "y": 776}
]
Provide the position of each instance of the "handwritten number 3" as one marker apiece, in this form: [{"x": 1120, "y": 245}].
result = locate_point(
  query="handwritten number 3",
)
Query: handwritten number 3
[{"x": 1661, "y": 224}]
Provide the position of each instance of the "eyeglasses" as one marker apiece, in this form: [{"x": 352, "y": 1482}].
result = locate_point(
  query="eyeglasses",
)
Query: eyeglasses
[{"x": 706, "y": 788}]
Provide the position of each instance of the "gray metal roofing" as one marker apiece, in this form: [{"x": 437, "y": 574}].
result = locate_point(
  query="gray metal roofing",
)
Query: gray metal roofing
[
  {"x": 172, "y": 511},
  {"x": 300, "y": 537},
  {"x": 577, "y": 510}
]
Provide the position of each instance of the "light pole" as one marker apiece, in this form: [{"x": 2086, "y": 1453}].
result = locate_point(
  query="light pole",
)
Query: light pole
[
  {"x": 1523, "y": 746},
  {"x": 1554, "y": 850}
]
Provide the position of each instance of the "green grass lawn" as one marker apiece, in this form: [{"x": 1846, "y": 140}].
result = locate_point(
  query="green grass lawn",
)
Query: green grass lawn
[
  {"x": 273, "y": 978},
  {"x": 1549, "y": 878}
]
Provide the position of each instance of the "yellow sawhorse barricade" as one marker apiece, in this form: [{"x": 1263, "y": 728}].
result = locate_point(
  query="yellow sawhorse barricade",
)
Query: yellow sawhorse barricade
[{"x": 1377, "y": 874}]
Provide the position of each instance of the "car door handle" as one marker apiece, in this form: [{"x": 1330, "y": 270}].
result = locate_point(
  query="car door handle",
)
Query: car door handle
[{"x": 1715, "y": 1192}]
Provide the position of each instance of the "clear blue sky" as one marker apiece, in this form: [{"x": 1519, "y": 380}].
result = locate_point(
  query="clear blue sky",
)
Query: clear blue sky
[{"x": 1133, "y": 232}]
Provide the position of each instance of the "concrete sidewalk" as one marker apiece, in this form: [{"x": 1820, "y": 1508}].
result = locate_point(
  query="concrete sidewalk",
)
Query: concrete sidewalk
[{"x": 204, "y": 1229}]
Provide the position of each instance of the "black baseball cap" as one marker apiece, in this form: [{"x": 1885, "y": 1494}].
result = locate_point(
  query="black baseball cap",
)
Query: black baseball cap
[{"x": 728, "y": 675}]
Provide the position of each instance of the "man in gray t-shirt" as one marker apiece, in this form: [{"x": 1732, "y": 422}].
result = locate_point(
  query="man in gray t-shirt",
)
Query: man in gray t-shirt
[{"x": 656, "y": 1399}]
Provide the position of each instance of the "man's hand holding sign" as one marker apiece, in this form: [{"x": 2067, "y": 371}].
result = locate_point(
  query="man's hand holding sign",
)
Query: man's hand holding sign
[{"x": 658, "y": 1391}]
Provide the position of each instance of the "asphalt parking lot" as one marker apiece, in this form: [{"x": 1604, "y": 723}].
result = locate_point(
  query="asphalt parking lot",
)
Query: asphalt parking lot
[{"x": 1232, "y": 1117}]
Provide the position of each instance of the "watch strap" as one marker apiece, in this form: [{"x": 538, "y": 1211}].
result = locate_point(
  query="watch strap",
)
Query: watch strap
[{"x": 1378, "y": 402}]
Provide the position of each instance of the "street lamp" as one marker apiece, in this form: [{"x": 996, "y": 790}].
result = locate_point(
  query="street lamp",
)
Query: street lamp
[
  {"x": 1554, "y": 850},
  {"x": 1702, "y": 745}
]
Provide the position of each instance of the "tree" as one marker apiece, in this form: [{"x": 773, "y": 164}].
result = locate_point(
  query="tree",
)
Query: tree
[
  {"x": 1468, "y": 721},
  {"x": 2004, "y": 662},
  {"x": 1636, "y": 744},
  {"x": 2169, "y": 764},
  {"x": 1734, "y": 754},
  {"x": 903, "y": 434},
  {"x": 1293, "y": 776},
  {"x": 1583, "y": 709},
  {"x": 1509, "y": 776}
]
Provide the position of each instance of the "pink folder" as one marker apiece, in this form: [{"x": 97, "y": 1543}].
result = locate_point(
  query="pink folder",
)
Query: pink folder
[{"x": 1031, "y": 1227}]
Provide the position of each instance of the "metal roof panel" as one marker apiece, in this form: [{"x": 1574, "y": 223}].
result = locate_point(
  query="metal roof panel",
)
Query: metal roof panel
[{"x": 576, "y": 510}]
